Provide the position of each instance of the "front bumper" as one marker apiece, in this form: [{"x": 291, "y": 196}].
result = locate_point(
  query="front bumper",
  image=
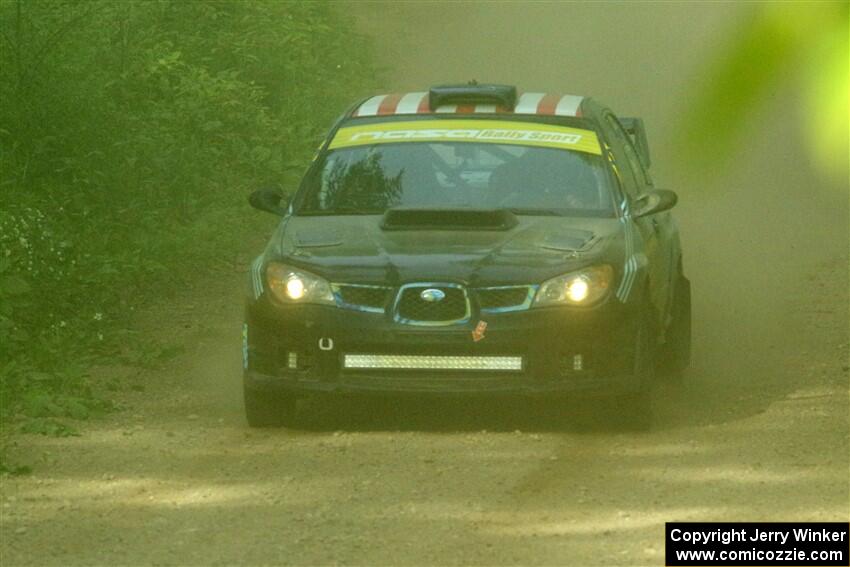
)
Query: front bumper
[{"x": 311, "y": 348}]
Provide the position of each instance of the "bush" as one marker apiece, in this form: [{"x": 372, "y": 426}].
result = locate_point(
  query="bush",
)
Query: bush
[{"x": 130, "y": 134}]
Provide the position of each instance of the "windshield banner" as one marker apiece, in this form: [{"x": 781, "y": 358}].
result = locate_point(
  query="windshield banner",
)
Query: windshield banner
[{"x": 478, "y": 131}]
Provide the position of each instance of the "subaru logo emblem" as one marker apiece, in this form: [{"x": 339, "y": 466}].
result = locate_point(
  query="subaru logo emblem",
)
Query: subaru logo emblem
[{"x": 432, "y": 295}]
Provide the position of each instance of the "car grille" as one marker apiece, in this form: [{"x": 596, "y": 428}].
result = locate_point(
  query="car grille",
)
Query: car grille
[
  {"x": 363, "y": 297},
  {"x": 412, "y": 308},
  {"x": 505, "y": 298}
]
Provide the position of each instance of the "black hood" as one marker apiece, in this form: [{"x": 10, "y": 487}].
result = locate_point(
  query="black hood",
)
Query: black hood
[{"x": 356, "y": 249}]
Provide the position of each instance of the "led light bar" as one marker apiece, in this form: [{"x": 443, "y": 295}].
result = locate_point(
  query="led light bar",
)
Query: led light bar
[{"x": 425, "y": 362}]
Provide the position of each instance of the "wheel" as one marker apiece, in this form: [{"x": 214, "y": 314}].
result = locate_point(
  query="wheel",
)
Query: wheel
[
  {"x": 634, "y": 411},
  {"x": 675, "y": 354},
  {"x": 269, "y": 409}
]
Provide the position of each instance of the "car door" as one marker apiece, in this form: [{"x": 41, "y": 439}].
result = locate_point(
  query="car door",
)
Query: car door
[{"x": 655, "y": 230}]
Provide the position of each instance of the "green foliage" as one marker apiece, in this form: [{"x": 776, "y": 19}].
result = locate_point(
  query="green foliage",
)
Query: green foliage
[
  {"x": 14, "y": 470},
  {"x": 48, "y": 426},
  {"x": 778, "y": 41},
  {"x": 130, "y": 135}
]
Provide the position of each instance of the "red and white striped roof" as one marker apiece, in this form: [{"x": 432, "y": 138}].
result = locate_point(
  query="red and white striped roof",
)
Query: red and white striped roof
[{"x": 417, "y": 103}]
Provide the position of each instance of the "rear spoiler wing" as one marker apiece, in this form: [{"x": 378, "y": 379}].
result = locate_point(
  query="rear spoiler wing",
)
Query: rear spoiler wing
[{"x": 635, "y": 129}]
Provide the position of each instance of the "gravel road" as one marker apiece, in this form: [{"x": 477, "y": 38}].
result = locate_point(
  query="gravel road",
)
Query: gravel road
[{"x": 177, "y": 478}]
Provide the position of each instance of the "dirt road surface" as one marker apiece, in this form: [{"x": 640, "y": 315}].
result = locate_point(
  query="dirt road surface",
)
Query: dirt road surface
[{"x": 758, "y": 432}]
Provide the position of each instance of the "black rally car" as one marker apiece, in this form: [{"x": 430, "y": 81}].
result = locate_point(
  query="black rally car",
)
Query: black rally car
[{"x": 468, "y": 240}]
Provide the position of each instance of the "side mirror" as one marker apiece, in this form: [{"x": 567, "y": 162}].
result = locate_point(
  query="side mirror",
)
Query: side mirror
[
  {"x": 269, "y": 200},
  {"x": 654, "y": 202}
]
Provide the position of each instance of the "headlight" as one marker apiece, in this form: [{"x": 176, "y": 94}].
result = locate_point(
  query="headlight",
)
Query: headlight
[
  {"x": 290, "y": 285},
  {"x": 583, "y": 287}
]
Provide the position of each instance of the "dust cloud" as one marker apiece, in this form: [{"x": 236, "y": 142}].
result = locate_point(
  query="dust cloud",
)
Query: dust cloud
[{"x": 753, "y": 231}]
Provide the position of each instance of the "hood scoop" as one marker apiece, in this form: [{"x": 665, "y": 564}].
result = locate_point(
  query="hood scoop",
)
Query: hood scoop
[{"x": 448, "y": 219}]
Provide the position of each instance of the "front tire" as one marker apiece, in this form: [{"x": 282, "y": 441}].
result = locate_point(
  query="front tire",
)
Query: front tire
[
  {"x": 269, "y": 409},
  {"x": 675, "y": 355},
  {"x": 634, "y": 411}
]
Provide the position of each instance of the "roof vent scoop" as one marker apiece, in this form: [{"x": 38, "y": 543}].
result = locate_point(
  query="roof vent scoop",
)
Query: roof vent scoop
[{"x": 501, "y": 95}]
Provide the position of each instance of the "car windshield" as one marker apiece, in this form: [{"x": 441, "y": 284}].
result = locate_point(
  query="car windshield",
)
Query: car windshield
[{"x": 532, "y": 180}]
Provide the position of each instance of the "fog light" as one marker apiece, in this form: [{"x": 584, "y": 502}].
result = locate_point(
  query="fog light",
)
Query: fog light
[
  {"x": 578, "y": 362},
  {"x": 292, "y": 360}
]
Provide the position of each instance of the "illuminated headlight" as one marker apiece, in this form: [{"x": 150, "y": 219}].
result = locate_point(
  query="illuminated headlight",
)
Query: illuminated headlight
[
  {"x": 290, "y": 285},
  {"x": 583, "y": 287}
]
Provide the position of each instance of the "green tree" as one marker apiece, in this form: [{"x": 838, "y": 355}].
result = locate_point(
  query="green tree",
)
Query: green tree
[
  {"x": 802, "y": 41},
  {"x": 130, "y": 134}
]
